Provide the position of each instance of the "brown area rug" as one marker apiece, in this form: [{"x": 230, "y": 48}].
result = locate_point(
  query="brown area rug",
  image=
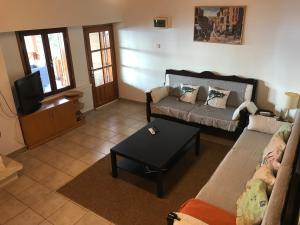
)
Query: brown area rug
[{"x": 131, "y": 200}]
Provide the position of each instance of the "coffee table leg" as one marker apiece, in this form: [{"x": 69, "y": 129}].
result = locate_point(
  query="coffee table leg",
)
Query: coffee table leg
[
  {"x": 197, "y": 144},
  {"x": 160, "y": 186},
  {"x": 114, "y": 169}
]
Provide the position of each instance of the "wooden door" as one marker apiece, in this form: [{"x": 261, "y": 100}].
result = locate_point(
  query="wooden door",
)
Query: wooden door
[
  {"x": 64, "y": 116},
  {"x": 100, "y": 52}
]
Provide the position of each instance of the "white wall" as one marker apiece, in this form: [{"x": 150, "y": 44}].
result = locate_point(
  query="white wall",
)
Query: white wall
[
  {"x": 80, "y": 66},
  {"x": 39, "y": 14},
  {"x": 10, "y": 132},
  {"x": 270, "y": 51}
]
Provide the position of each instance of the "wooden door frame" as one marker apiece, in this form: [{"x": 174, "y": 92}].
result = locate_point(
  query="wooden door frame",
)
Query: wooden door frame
[
  {"x": 47, "y": 51},
  {"x": 98, "y": 28}
]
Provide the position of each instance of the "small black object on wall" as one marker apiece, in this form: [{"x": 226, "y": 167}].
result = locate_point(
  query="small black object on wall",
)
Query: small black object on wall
[{"x": 161, "y": 22}]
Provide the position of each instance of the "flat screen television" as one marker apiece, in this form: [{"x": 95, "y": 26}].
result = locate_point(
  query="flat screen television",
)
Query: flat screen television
[{"x": 29, "y": 93}]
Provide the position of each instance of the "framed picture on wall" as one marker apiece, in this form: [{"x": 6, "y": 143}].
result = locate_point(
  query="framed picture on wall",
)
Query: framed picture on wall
[{"x": 219, "y": 24}]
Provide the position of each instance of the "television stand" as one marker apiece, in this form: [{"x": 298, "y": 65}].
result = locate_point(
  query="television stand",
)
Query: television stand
[{"x": 54, "y": 118}]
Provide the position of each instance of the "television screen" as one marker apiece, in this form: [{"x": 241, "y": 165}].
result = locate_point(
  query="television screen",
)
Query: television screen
[{"x": 29, "y": 91}]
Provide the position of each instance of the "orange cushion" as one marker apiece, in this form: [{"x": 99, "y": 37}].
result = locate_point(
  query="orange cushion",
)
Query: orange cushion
[{"x": 207, "y": 213}]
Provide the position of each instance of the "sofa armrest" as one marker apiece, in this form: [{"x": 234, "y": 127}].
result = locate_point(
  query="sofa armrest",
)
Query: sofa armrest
[
  {"x": 244, "y": 119},
  {"x": 148, "y": 105}
]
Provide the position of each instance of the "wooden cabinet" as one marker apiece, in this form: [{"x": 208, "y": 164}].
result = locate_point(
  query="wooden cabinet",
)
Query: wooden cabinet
[
  {"x": 51, "y": 120},
  {"x": 64, "y": 116}
]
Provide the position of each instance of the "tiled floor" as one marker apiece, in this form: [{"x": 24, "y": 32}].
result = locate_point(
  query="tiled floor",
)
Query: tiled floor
[{"x": 33, "y": 200}]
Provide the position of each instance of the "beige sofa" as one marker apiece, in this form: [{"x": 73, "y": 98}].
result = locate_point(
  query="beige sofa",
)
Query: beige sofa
[{"x": 229, "y": 180}]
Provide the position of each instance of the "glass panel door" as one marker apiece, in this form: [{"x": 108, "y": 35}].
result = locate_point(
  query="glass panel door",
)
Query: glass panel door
[
  {"x": 59, "y": 60},
  {"x": 101, "y": 62},
  {"x": 101, "y": 57},
  {"x": 37, "y": 60}
]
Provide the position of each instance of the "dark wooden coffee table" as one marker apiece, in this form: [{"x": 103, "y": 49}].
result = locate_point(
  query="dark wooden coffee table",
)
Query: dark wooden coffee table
[{"x": 151, "y": 156}]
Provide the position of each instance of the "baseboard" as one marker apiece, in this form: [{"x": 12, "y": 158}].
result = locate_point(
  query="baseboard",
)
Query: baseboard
[
  {"x": 131, "y": 100},
  {"x": 102, "y": 106},
  {"x": 18, "y": 151}
]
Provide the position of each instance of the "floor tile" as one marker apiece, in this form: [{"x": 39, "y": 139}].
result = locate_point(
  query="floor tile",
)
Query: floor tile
[
  {"x": 139, "y": 125},
  {"x": 92, "y": 219},
  {"x": 44, "y": 155},
  {"x": 91, "y": 157},
  {"x": 75, "y": 167},
  {"x": 55, "y": 141},
  {"x": 49, "y": 204},
  {"x": 4, "y": 196},
  {"x": 29, "y": 163},
  {"x": 104, "y": 147},
  {"x": 28, "y": 217},
  {"x": 71, "y": 149},
  {"x": 19, "y": 185},
  {"x": 118, "y": 138},
  {"x": 33, "y": 194},
  {"x": 10, "y": 208},
  {"x": 56, "y": 180},
  {"x": 45, "y": 222},
  {"x": 41, "y": 172},
  {"x": 60, "y": 161},
  {"x": 68, "y": 214}
]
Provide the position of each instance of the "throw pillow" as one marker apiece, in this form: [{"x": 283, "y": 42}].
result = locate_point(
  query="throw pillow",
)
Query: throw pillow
[
  {"x": 264, "y": 124},
  {"x": 273, "y": 153},
  {"x": 159, "y": 93},
  {"x": 207, "y": 213},
  {"x": 265, "y": 173},
  {"x": 284, "y": 131},
  {"x": 188, "y": 93},
  {"x": 175, "y": 91},
  {"x": 187, "y": 220},
  {"x": 252, "y": 204},
  {"x": 217, "y": 98}
]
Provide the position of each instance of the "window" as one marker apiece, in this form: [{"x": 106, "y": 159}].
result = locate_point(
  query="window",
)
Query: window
[
  {"x": 48, "y": 51},
  {"x": 101, "y": 57}
]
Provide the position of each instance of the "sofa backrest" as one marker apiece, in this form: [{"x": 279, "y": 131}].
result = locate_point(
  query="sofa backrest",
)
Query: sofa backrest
[
  {"x": 277, "y": 200},
  {"x": 242, "y": 89}
]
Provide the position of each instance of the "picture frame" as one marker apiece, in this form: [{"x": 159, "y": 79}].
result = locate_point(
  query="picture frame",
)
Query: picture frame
[{"x": 219, "y": 24}]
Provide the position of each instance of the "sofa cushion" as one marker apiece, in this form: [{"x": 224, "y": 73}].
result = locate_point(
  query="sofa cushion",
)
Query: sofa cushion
[
  {"x": 229, "y": 180},
  {"x": 238, "y": 90},
  {"x": 171, "y": 106},
  {"x": 264, "y": 124},
  {"x": 215, "y": 117}
]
